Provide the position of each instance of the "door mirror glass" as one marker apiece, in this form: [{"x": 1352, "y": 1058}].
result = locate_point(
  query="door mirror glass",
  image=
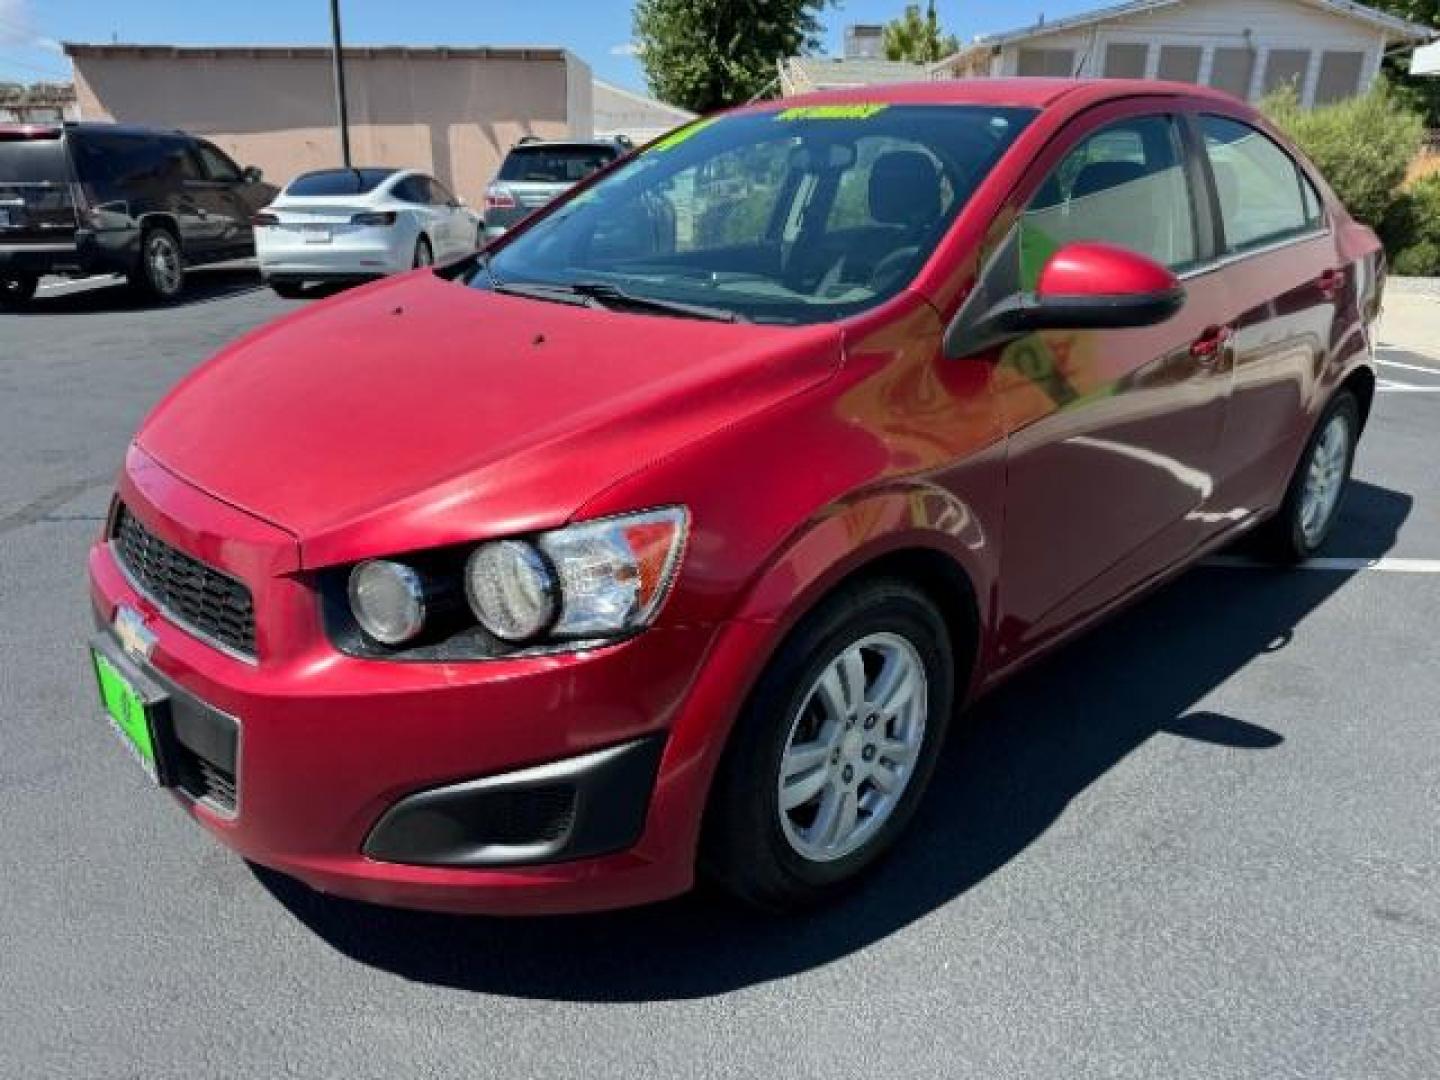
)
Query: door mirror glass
[{"x": 1083, "y": 286}]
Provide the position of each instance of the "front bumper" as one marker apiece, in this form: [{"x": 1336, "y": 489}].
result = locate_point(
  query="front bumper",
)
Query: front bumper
[{"x": 334, "y": 747}]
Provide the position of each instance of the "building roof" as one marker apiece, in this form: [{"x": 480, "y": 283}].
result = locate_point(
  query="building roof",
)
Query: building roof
[
  {"x": 81, "y": 50},
  {"x": 628, "y": 99},
  {"x": 1017, "y": 91},
  {"x": 1394, "y": 26},
  {"x": 800, "y": 74}
]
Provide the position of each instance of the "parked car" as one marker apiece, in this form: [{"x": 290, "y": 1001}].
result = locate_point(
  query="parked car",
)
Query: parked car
[
  {"x": 536, "y": 583},
  {"x": 535, "y": 171},
  {"x": 353, "y": 224},
  {"x": 91, "y": 198}
]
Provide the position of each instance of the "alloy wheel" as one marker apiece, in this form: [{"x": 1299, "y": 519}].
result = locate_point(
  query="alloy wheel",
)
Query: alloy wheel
[
  {"x": 852, "y": 747},
  {"x": 1325, "y": 479},
  {"x": 162, "y": 260}
]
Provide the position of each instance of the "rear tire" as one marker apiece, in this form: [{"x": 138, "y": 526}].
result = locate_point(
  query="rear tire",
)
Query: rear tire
[
  {"x": 160, "y": 274},
  {"x": 1317, "y": 489},
  {"x": 288, "y": 290},
  {"x": 852, "y": 767},
  {"x": 424, "y": 254},
  {"x": 17, "y": 290}
]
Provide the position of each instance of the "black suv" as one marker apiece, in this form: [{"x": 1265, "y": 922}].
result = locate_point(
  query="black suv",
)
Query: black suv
[{"x": 90, "y": 198}]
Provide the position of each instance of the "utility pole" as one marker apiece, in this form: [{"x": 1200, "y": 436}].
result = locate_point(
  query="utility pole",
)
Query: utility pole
[{"x": 341, "y": 109}]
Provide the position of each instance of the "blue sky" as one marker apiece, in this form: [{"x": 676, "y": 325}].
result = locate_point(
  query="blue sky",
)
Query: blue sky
[{"x": 597, "y": 30}]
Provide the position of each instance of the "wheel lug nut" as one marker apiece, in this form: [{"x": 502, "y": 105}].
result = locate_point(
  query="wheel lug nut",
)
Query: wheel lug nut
[
  {"x": 868, "y": 753},
  {"x": 849, "y": 773},
  {"x": 870, "y": 721}
]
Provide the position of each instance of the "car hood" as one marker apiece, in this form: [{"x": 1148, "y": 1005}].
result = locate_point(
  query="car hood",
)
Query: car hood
[{"x": 419, "y": 412}]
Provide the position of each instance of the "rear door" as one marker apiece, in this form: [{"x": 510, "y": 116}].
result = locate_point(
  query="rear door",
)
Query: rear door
[
  {"x": 37, "y": 198},
  {"x": 1280, "y": 265},
  {"x": 1113, "y": 434}
]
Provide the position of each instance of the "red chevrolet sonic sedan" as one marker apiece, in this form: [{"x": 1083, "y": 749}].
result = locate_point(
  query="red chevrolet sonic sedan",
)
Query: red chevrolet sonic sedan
[{"x": 666, "y": 535}]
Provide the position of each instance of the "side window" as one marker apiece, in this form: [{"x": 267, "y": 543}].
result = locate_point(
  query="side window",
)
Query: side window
[
  {"x": 179, "y": 163},
  {"x": 1125, "y": 185},
  {"x": 218, "y": 167},
  {"x": 115, "y": 165},
  {"x": 409, "y": 190},
  {"x": 1264, "y": 196}
]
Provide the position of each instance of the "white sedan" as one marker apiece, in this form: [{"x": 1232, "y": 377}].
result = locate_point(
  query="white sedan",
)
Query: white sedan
[{"x": 352, "y": 224}]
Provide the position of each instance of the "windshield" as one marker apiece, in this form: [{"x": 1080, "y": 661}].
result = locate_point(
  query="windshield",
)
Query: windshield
[
  {"x": 32, "y": 161},
  {"x": 799, "y": 215},
  {"x": 554, "y": 164}
]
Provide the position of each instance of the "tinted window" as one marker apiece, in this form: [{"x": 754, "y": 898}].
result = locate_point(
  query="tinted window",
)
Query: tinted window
[
  {"x": 1124, "y": 185},
  {"x": 179, "y": 163},
  {"x": 1261, "y": 189},
  {"x": 114, "y": 164},
  {"x": 799, "y": 214},
  {"x": 554, "y": 164},
  {"x": 412, "y": 190},
  {"x": 218, "y": 167},
  {"x": 32, "y": 161},
  {"x": 338, "y": 182}
]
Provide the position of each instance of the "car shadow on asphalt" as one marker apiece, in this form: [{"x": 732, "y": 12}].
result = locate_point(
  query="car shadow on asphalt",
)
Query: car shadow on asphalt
[
  {"x": 1008, "y": 773},
  {"x": 203, "y": 285}
]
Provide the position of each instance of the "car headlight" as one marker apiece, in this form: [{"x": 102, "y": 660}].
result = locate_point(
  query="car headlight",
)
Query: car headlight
[
  {"x": 511, "y": 589},
  {"x": 388, "y": 599},
  {"x": 596, "y": 579}
]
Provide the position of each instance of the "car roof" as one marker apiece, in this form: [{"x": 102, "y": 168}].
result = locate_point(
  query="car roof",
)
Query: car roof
[
  {"x": 587, "y": 144},
  {"x": 1039, "y": 93},
  {"x": 92, "y": 125}
]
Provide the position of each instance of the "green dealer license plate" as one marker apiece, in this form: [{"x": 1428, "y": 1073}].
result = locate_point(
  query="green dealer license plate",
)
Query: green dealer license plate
[{"x": 130, "y": 707}]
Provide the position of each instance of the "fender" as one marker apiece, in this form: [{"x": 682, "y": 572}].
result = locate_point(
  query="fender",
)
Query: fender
[{"x": 905, "y": 516}]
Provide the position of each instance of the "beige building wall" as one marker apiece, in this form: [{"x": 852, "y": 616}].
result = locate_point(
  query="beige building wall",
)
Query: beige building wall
[{"x": 451, "y": 112}]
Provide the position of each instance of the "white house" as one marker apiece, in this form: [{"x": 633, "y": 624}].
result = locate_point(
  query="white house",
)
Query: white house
[{"x": 1329, "y": 49}]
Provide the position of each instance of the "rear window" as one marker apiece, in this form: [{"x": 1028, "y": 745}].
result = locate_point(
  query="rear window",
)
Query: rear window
[
  {"x": 32, "y": 161},
  {"x": 554, "y": 164},
  {"x": 338, "y": 182}
]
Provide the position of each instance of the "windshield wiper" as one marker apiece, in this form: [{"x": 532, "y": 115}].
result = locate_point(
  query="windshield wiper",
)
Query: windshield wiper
[
  {"x": 534, "y": 290},
  {"x": 613, "y": 296}
]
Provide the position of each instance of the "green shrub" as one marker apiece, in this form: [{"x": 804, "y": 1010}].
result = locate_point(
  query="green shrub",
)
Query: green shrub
[
  {"x": 1411, "y": 229},
  {"x": 1362, "y": 145}
]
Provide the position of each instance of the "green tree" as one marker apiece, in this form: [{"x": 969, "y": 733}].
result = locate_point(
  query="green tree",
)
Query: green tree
[
  {"x": 918, "y": 37},
  {"x": 1422, "y": 91},
  {"x": 708, "y": 54}
]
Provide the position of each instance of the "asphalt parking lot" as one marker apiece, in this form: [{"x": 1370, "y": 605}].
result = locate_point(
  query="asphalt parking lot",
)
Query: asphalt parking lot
[{"x": 1201, "y": 842}]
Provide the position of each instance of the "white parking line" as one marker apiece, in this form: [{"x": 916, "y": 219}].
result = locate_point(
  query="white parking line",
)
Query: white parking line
[
  {"x": 1391, "y": 387},
  {"x": 1409, "y": 367},
  {"x": 1384, "y": 565}
]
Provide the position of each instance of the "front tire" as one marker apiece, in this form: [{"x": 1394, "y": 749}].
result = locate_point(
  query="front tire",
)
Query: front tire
[
  {"x": 161, "y": 272},
  {"x": 1317, "y": 489},
  {"x": 17, "y": 290},
  {"x": 835, "y": 748},
  {"x": 288, "y": 290},
  {"x": 424, "y": 254}
]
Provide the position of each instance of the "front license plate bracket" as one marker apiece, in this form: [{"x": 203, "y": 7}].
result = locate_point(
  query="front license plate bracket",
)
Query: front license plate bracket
[{"x": 137, "y": 708}]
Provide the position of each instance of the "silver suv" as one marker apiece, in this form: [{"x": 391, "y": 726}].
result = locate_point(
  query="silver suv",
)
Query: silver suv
[{"x": 537, "y": 170}]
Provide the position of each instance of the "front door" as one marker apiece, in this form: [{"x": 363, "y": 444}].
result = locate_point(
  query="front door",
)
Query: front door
[{"x": 1113, "y": 434}]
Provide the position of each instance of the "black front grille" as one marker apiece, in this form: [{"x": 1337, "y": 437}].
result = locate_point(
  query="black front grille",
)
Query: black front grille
[{"x": 199, "y": 598}]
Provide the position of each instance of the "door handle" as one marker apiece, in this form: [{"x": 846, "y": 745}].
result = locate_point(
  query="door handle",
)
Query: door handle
[
  {"x": 1331, "y": 282},
  {"x": 1211, "y": 343}
]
